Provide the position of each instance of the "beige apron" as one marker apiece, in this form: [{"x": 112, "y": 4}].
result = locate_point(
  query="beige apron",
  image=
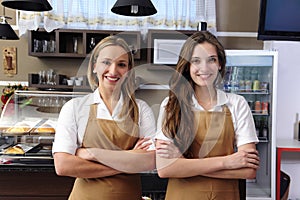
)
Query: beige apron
[
  {"x": 214, "y": 137},
  {"x": 108, "y": 134}
]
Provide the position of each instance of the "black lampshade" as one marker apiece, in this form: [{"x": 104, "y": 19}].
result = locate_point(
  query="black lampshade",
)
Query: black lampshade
[
  {"x": 28, "y": 5},
  {"x": 134, "y": 8},
  {"x": 6, "y": 32}
]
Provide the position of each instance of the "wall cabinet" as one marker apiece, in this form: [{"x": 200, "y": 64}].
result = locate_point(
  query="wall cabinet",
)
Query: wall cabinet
[
  {"x": 163, "y": 34},
  {"x": 75, "y": 43}
]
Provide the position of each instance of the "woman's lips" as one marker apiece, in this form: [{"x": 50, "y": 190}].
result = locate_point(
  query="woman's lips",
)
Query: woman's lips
[
  {"x": 204, "y": 76},
  {"x": 112, "y": 78}
]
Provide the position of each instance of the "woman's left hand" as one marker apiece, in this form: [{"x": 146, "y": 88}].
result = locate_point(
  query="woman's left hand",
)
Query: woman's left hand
[
  {"x": 143, "y": 144},
  {"x": 167, "y": 149}
]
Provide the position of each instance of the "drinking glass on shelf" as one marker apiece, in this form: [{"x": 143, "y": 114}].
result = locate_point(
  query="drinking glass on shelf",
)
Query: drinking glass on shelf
[
  {"x": 42, "y": 77},
  {"x": 92, "y": 43},
  {"x": 75, "y": 45},
  {"x": 132, "y": 49}
]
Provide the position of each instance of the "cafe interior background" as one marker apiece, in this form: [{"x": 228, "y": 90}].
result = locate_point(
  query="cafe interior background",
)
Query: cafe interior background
[{"x": 235, "y": 22}]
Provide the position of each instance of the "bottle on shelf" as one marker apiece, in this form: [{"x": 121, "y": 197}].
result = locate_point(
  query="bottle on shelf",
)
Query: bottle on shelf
[
  {"x": 227, "y": 79},
  {"x": 257, "y": 107},
  {"x": 255, "y": 80},
  {"x": 265, "y": 107},
  {"x": 240, "y": 79},
  {"x": 234, "y": 83},
  {"x": 264, "y": 128},
  {"x": 257, "y": 123},
  {"x": 247, "y": 79}
]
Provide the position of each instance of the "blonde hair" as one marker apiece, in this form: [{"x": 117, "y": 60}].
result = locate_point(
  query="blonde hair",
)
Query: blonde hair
[
  {"x": 108, "y": 41},
  {"x": 127, "y": 86}
]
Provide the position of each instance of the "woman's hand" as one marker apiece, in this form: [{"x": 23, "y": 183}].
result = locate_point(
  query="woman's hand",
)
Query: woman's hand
[
  {"x": 167, "y": 149},
  {"x": 241, "y": 159},
  {"x": 143, "y": 144},
  {"x": 84, "y": 153}
]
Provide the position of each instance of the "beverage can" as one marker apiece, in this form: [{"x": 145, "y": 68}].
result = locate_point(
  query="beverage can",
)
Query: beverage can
[
  {"x": 242, "y": 86},
  {"x": 248, "y": 84},
  {"x": 264, "y": 86},
  {"x": 256, "y": 85},
  {"x": 264, "y": 107},
  {"x": 257, "y": 107}
]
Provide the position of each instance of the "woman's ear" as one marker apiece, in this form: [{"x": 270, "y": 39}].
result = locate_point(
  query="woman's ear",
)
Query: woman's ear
[{"x": 94, "y": 69}]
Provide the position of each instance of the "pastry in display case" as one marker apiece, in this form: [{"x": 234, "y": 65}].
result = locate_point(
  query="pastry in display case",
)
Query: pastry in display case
[{"x": 27, "y": 125}]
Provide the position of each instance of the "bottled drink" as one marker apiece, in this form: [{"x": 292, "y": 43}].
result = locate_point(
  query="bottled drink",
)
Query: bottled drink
[
  {"x": 257, "y": 126},
  {"x": 256, "y": 86},
  {"x": 255, "y": 81},
  {"x": 234, "y": 84},
  {"x": 254, "y": 74},
  {"x": 264, "y": 128},
  {"x": 234, "y": 80},
  {"x": 248, "y": 85},
  {"x": 257, "y": 107},
  {"x": 247, "y": 78},
  {"x": 265, "y": 107},
  {"x": 227, "y": 80}
]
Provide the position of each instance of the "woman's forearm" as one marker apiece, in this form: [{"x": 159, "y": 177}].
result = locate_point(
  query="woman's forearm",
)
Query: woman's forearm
[
  {"x": 182, "y": 167},
  {"x": 243, "y": 173},
  {"x": 130, "y": 161},
  {"x": 73, "y": 166}
]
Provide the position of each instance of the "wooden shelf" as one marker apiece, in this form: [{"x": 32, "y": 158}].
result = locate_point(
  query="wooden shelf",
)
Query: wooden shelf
[
  {"x": 61, "y": 42},
  {"x": 33, "y": 81}
]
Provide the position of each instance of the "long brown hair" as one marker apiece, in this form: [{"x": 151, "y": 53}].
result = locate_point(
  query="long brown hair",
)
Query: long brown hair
[
  {"x": 127, "y": 86},
  {"x": 178, "y": 123}
]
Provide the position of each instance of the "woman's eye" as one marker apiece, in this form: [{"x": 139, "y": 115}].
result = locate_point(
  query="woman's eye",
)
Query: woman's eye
[
  {"x": 212, "y": 60},
  {"x": 196, "y": 61},
  {"x": 105, "y": 62},
  {"x": 122, "y": 64}
]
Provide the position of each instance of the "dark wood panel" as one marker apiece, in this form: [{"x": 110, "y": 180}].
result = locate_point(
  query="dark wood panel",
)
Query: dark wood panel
[{"x": 34, "y": 184}]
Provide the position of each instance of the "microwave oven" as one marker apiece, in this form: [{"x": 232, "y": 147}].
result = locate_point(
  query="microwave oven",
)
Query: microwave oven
[{"x": 166, "y": 51}]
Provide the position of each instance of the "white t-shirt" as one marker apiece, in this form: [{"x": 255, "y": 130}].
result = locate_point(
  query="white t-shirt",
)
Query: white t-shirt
[
  {"x": 242, "y": 118},
  {"x": 73, "y": 118}
]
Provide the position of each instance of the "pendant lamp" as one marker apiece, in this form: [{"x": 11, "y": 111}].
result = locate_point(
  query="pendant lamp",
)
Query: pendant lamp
[
  {"x": 28, "y": 5},
  {"x": 6, "y": 31},
  {"x": 134, "y": 8}
]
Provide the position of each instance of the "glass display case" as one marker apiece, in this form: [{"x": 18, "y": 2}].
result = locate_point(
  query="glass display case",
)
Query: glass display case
[{"x": 27, "y": 126}]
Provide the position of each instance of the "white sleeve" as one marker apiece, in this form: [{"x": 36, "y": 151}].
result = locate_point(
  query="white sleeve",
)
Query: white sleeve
[
  {"x": 245, "y": 128},
  {"x": 159, "y": 134},
  {"x": 146, "y": 120},
  {"x": 66, "y": 130}
]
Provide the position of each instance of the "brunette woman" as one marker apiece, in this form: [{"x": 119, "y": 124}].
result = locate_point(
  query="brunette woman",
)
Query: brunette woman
[{"x": 205, "y": 137}]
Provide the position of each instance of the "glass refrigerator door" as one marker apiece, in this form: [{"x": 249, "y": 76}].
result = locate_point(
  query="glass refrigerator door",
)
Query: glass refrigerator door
[{"x": 252, "y": 74}]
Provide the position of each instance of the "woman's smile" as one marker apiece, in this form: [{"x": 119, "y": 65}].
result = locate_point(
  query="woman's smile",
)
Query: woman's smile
[{"x": 112, "y": 78}]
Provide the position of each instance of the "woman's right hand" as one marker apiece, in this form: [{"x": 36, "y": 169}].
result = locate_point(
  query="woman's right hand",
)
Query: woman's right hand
[{"x": 246, "y": 158}]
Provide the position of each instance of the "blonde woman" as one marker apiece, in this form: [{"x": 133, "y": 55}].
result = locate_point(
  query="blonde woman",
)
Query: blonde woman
[
  {"x": 199, "y": 127},
  {"x": 102, "y": 139}
]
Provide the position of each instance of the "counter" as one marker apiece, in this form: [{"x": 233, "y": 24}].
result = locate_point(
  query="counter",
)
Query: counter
[{"x": 40, "y": 182}]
